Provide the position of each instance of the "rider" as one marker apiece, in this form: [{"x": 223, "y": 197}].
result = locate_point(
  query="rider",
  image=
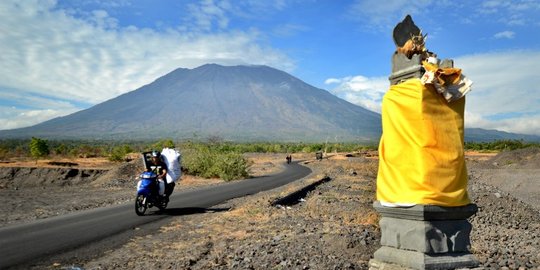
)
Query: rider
[{"x": 160, "y": 168}]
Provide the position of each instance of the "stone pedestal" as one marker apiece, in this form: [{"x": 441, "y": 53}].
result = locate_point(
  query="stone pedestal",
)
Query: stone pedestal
[
  {"x": 424, "y": 237},
  {"x": 404, "y": 68}
]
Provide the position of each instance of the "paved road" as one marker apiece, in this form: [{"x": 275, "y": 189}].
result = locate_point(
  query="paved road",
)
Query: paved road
[{"x": 19, "y": 244}]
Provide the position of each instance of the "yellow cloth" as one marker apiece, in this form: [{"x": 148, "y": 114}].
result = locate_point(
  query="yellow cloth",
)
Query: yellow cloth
[{"x": 421, "y": 158}]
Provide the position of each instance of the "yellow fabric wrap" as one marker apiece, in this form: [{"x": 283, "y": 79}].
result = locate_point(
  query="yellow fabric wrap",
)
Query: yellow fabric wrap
[{"x": 421, "y": 159}]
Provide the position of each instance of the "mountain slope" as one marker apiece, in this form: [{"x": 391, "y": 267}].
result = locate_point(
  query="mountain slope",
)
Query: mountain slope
[
  {"x": 232, "y": 102},
  {"x": 489, "y": 135}
]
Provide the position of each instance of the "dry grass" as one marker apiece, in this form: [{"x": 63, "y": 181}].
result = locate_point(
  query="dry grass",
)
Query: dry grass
[
  {"x": 265, "y": 164},
  {"x": 194, "y": 181},
  {"x": 479, "y": 156},
  {"x": 89, "y": 163},
  {"x": 352, "y": 187},
  {"x": 248, "y": 212}
]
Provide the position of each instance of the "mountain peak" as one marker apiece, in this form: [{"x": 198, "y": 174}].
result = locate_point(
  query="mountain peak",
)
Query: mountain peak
[{"x": 210, "y": 66}]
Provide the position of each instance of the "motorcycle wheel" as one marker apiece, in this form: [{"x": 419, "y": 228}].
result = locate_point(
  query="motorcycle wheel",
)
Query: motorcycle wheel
[
  {"x": 141, "y": 204},
  {"x": 163, "y": 203}
]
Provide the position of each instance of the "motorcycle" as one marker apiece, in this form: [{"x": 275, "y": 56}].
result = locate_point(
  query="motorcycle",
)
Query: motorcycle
[
  {"x": 148, "y": 195},
  {"x": 148, "y": 189}
]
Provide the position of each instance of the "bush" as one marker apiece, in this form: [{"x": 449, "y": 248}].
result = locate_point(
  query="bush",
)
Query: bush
[
  {"x": 197, "y": 161},
  {"x": 212, "y": 162},
  {"x": 61, "y": 150},
  {"x": 4, "y": 152},
  {"x": 166, "y": 143},
  {"x": 38, "y": 148},
  {"x": 118, "y": 153},
  {"x": 231, "y": 166}
]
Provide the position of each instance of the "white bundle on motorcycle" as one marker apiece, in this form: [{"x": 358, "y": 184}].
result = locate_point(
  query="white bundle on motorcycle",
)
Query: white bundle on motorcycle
[{"x": 173, "y": 160}]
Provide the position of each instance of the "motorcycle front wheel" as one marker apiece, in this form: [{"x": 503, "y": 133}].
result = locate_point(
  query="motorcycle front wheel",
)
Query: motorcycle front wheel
[{"x": 141, "y": 204}]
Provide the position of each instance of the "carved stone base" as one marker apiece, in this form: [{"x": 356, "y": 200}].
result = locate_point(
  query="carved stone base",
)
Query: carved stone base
[
  {"x": 378, "y": 265},
  {"x": 425, "y": 237},
  {"x": 418, "y": 260}
]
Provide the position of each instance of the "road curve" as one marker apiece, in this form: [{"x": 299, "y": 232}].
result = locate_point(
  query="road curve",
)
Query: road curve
[{"x": 30, "y": 241}]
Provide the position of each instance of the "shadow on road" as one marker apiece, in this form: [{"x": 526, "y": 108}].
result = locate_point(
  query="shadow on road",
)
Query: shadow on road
[{"x": 190, "y": 211}]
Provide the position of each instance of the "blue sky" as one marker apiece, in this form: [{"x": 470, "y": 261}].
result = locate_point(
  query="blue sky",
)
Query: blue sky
[{"x": 58, "y": 57}]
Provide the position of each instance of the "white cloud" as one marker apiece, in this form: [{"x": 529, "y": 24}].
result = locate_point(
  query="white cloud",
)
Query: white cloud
[
  {"x": 332, "y": 81},
  {"x": 206, "y": 12},
  {"x": 517, "y": 12},
  {"x": 505, "y": 34},
  {"x": 383, "y": 15},
  {"x": 52, "y": 53},
  {"x": 208, "y": 15},
  {"x": 27, "y": 110},
  {"x": 12, "y": 117},
  {"x": 360, "y": 90},
  {"x": 506, "y": 90},
  {"x": 522, "y": 125}
]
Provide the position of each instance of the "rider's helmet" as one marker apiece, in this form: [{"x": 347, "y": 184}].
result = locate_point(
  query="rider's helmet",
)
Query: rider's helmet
[{"x": 156, "y": 153}]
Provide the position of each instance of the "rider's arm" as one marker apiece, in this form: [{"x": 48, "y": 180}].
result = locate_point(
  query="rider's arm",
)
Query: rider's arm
[
  {"x": 164, "y": 171},
  {"x": 162, "y": 176}
]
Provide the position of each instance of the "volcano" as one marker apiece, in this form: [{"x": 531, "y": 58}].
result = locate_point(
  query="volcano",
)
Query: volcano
[{"x": 239, "y": 103}]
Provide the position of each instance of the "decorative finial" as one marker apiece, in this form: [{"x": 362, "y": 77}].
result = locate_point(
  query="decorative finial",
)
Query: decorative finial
[{"x": 408, "y": 38}]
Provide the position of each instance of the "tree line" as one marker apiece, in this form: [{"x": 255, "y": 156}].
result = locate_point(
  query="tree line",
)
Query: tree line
[
  {"x": 116, "y": 150},
  {"x": 500, "y": 145},
  {"x": 212, "y": 158}
]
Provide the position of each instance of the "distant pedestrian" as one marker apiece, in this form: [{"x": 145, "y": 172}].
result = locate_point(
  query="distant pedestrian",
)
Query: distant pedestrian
[{"x": 319, "y": 155}]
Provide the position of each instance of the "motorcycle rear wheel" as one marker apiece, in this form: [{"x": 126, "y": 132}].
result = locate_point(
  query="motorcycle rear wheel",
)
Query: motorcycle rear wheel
[
  {"x": 141, "y": 204},
  {"x": 162, "y": 204}
]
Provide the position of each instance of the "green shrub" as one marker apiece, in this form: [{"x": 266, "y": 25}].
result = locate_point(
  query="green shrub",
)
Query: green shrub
[
  {"x": 118, "y": 153},
  {"x": 61, "y": 150},
  {"x": 212, "y": 162},
  {"x": 231, "y": 166},
  {"x": 4, "y": 152},
  {"x": 38, "y": 148},
  {"x": 197, "y": 161},
  {"x": 165, "y": 143}
]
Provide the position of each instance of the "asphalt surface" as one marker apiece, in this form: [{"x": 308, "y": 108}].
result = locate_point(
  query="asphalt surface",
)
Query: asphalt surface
[{"x": 30, "y": 241}]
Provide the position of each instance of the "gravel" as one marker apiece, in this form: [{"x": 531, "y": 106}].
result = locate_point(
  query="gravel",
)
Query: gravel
[{"x": 333, "y": 227}]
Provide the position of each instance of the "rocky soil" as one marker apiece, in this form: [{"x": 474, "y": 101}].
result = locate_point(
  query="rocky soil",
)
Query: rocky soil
[
  {"x": 506, "y": 230},
  {"x": 333, "y": 227}
]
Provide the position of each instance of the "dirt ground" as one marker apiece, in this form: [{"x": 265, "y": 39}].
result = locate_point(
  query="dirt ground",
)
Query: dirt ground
[
  {"x": 333, "y": 227},
  {"x": 39, "y": 190}
]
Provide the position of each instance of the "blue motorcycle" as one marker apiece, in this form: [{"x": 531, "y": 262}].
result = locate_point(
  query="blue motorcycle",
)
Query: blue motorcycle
[{"x": 148, "y": 194}]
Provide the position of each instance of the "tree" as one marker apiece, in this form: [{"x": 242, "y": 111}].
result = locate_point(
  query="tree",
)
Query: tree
[
  {"x": 61, "y": 150},
  {"x": 38, "y": 148},
  {"x": 119, "y": 153}
]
